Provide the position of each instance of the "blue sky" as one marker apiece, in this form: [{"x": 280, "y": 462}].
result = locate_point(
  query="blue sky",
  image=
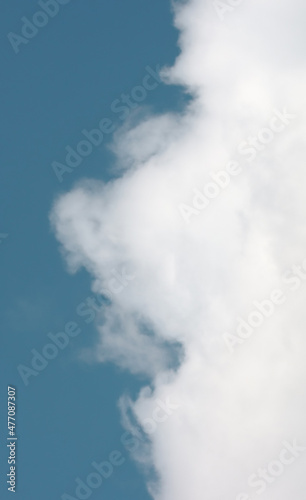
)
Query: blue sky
[
  {"x": 185, "y": 221},
  {"x": 64, "y": 80}
]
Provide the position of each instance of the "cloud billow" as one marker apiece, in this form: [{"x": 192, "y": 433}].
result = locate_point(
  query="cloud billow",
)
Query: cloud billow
[{"x": 192, "y": 281}]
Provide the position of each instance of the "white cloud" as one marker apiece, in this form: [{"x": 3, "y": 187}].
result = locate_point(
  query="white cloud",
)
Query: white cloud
[{"x": 193, "y": 281}]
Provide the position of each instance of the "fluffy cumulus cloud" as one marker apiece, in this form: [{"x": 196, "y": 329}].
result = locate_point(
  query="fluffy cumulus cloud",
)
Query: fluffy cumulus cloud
[{"x": 206, "y": 228}]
